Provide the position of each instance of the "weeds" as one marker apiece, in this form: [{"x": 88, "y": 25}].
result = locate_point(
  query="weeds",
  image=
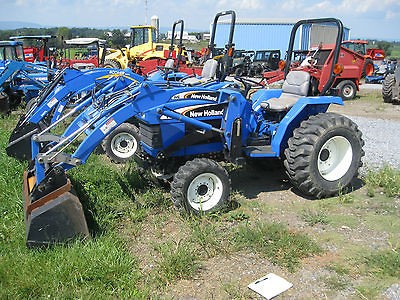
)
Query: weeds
[
  {"x": 384, "y": 263},
  {"x": 207, "y": 237},
  {"x": 97, "y": 269},
  {"x": 277, "y": 243},
  {"x": 178, "y": 260},
  {"x": 314, "y": 217},
  {"x": 386, "y": 180}
]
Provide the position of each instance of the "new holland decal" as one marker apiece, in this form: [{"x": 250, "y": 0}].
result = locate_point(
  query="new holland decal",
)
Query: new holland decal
[
  {"x": 199, "y": 111},
  {"x": 197, "y": 95}
]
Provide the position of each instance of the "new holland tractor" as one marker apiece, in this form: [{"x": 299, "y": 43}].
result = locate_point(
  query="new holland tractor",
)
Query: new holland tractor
[
  {"x": 20, "y": 80},
  {"x": 186, "y": 131},
  {"x": 75, "y": 88}
]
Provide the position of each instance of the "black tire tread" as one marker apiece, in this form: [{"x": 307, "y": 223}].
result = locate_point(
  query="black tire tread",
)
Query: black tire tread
[
  {"x": 109, "y": 63},
  {"x": 387, "y": 87},
  {"x": 106, "y": 143},
  {"x": 301, "y": 146},
  {"x": 186, "y": 171}
]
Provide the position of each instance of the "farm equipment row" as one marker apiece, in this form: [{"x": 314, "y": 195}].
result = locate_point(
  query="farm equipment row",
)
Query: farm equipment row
[
  {"x": 318, "y": 63},
  {"x": 255, "y": 63},
  {"x": 183, "y": 129},
  {"x": 20, "y": 80}
]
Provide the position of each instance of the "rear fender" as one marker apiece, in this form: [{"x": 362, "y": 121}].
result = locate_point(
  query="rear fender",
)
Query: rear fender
[{"x": 303, "y": 108}]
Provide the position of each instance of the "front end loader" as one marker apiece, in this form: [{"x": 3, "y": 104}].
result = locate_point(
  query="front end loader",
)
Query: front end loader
[{"x": 70, "y": 88}]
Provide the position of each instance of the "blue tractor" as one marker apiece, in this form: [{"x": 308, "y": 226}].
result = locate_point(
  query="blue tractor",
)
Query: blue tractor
[
  {"x": 18, "y": 79},
  {"x": 186, "y": 131},
  {"x": 73, "y": 87}
]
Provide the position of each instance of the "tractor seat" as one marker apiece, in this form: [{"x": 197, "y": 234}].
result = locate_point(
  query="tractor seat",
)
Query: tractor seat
[
  {"x": 208, "y": 73},
  {"x": 296, "y": 85},
  {"x": 169, "y": 64}
]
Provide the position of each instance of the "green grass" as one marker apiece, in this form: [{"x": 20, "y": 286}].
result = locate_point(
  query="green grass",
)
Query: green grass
[
  {"x": 385, "y": 263},
  {"x": 179, "y": 260},
  {"x": 386, "y": 180},
  {"x": 134, "y": 226},
  {"x": 312, "y": 217},
  {"x": 276, "y": 242},
  {"x": 395, "y": 51},
  {"x": 96, "y": 269}
]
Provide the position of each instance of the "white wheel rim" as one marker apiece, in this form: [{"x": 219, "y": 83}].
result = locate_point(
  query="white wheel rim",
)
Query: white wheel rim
[
  {"x": 124, "y": 145},
  {"x": 205, "y": 191},
  {"x": 348, "y": 91},
  {"x": 334, "y": 158}
]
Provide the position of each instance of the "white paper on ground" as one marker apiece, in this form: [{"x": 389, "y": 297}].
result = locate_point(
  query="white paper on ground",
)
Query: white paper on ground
[{"x": 270, "y": 286}]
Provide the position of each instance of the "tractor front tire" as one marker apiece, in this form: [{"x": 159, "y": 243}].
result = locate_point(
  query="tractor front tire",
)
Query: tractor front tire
[
  {"x": 387, "y": 87},
  {"x": 200, "y": 186},
  {"x": 324, "y": 155},
  {"x": 347, "y": 89},
  {"x": 122, "y": 143},
  {"x": 109, "y": 63}
]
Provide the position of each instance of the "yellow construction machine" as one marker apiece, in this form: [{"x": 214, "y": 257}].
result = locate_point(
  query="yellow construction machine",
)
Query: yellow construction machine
[{"x": 143, "y": 46}]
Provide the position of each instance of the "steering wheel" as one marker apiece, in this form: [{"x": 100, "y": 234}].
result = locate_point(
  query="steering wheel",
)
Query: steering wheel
[{"x": 249, "y": 84}]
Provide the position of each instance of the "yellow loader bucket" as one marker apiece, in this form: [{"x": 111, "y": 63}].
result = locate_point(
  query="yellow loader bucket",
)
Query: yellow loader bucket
[{"x": 53, "y": 214}]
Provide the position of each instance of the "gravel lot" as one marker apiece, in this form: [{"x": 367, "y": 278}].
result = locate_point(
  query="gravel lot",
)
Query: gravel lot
[
  {"x": 379, "y": 123},
  {"x": 382, "y": 146}
]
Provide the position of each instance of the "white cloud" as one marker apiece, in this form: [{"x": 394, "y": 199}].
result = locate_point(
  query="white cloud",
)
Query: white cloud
[{"x": 240, "y": 4}]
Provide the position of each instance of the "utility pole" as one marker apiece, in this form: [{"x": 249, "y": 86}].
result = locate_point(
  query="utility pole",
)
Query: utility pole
[{"x": 145, "y": 8}]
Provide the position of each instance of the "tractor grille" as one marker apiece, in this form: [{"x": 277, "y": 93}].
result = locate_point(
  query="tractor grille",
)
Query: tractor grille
[{"x": 150, "y": 135}]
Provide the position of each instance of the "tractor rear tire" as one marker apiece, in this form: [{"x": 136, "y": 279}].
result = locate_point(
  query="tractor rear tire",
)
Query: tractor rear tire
[
  {"x": 324, "y": 155},
  {"x": 109, "y": 63},
  {"x": 200, "y": 186},
  {"x": 387, "y": 88},
  {"x": 368, "y": 68},
  {"x": 347, "y": 89},
  {"x": 122, "y": 143}
]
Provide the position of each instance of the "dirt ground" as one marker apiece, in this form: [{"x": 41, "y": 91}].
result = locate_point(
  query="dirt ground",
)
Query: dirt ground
[
  {"x": 369, "y": 103},
  {"x": 226, "y": 276}
]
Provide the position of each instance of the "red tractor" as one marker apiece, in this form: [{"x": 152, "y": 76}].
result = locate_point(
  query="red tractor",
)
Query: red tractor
[
  {"x": 36, "y": 49},
  {"x": 82, "y": 53},
  {"x": 318, "y": 63},
  {"x": 371, "y": 55}
]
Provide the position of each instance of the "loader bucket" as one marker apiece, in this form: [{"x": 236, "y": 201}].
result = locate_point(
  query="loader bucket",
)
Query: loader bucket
[
  {"x": 53, "y": 214},
  {"x": 19, "y": 144}
]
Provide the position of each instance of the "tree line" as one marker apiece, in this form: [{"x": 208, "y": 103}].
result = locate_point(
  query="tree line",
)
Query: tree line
[{"x": 115, "y": 38}]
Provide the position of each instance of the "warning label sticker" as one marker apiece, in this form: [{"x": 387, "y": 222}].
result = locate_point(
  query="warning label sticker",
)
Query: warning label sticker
[{"x": 108, "y": 126}]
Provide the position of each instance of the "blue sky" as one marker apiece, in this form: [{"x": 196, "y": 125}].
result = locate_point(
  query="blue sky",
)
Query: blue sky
[{"x": 366, "y": 19}]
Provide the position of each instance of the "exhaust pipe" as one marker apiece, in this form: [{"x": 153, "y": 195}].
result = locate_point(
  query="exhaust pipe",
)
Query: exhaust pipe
[{"x": 53, "y": 213}]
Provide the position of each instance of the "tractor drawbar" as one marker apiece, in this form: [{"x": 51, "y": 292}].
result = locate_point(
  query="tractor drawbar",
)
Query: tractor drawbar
[{"x": 53, "y": 213}]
